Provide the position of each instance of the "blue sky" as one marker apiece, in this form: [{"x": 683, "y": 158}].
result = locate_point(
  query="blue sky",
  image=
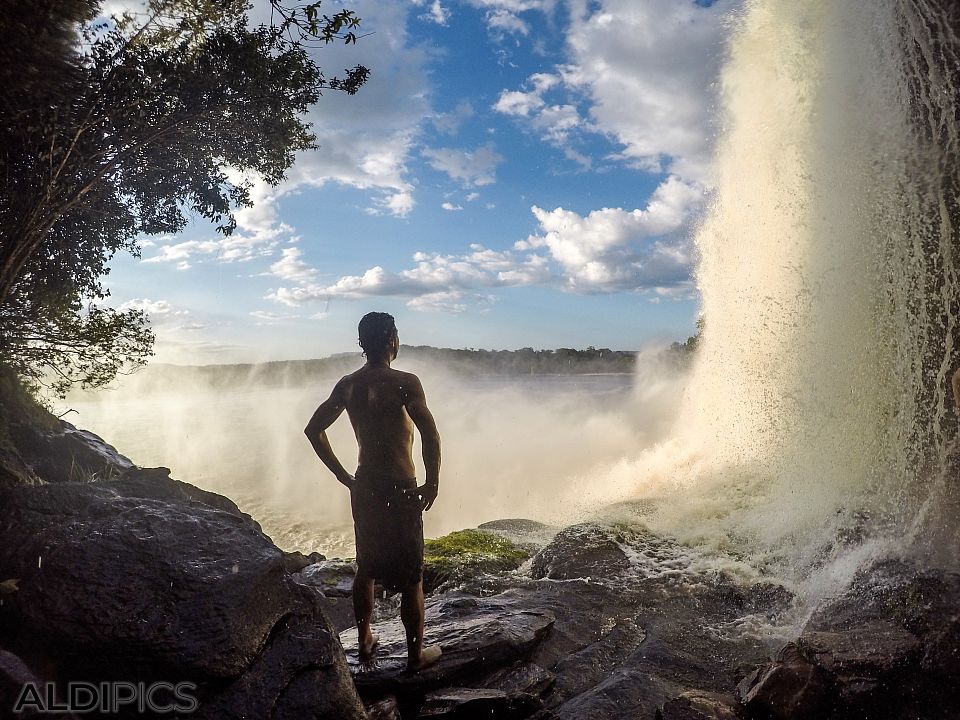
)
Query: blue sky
[{"x": 516, "y": 173}]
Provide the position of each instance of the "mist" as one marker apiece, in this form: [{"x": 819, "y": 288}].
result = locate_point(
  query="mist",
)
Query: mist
[{"x": 537, "y": 447}]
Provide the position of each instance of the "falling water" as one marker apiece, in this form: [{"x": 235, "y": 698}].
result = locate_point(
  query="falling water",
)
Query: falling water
[{"x": 818, "y": 425}]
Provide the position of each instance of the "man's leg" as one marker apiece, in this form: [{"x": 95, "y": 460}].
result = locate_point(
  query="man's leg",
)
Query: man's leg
[
  {"x": 411, "y": 613},
  {"x": 363, "y": 611}
]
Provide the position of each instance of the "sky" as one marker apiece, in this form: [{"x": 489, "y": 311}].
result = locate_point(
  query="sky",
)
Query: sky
[{"x": 515, "y": 173}]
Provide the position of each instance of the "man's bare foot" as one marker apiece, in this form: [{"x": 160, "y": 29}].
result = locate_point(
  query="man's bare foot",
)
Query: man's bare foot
[
  {"x": 367, "y": 651},
  {"x": 428, "y": 656}
]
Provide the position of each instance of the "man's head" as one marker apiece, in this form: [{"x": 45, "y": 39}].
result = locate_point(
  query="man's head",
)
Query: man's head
[{"x": 378, "y": 336}]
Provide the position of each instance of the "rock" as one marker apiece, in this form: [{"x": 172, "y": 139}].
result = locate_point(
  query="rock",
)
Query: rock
[
  {"x": 14, "y": 677},
  {"x": 876, "y": 650},
  {"x": 588, "y": 666},
  {"x": 526, "y": 677},
  {"x": 467, "y": 554},
  {"x": 149, "y": 579},
  {"x": 334, "y": 578},
  {"x": 468, "y": 703},
  {"x": 695, "y": 705},
  {"x": 385, "y": 709},
  {"x": 941, "y": 656},
  {"x": 64, "y": 453},
  {"x": 528, "y": 534},
  {"x": 790, "y": 688},
  {"x": 297, "y": 561},
  {"x": 580, "y": 551},
  {"x": 301, "y": 673},
  {"x": 477, "y": 635}
]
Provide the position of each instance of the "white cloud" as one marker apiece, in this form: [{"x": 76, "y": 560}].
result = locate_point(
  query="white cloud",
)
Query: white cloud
[
  {"x": 607, "y": 250},
  {"x": 291, "y": 267},
  {"x": 449, "y": 123},
  {"x": 553, "y": 121},
  {"x": 649, "y": 69},
  {"x": 508, "y": 22},
  {"x": 614, "y": 249},
  {"x": 472, "y": 196},
  {"x": 437, "y": 13},
  {"x": 265, "y": 317},
  {"x": 450, "y": 206},
  {"x": 450, "y": 301},
  {"x": 471, "y": 167},
  {"x": 154, "y": 308}
]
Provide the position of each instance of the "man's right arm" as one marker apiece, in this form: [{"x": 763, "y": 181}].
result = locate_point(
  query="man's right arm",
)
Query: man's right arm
[
  {"x": 416, "y": 404},
  {"x": 316, "y": 432}
]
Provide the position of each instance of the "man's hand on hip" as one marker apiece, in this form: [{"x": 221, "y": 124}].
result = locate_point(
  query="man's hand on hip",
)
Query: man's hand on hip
[{"x": 427, "y": 493}]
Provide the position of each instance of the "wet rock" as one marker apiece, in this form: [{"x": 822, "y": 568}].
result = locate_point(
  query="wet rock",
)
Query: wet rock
[
  {"x": 580, "y": 551},
  {"x": 526, "y": 677},
  {"x": 64, "y": 453},
  {"x": 384, "y": 709},
  {"x": 297, "y": 561},
  {"x": 334, "y": 578},
  {"x": 696, "y": 705},
  {"x": 587, "y": 667},
  {"x": 861, "y": 659},
  {"x": 528, "y": 534},
  {"x": 477, "y": 635},
  {"x": 149, "y": 579},
  {"x": 301, "y": 673},
  {"x": 466, "y": 555},
  {"x": 790, "y": 688},
  {"x": 468, "y": 703}
]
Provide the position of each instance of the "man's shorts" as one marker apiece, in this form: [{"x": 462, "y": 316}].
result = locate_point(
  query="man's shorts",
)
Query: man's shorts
[{"x": 388, "y": 525}]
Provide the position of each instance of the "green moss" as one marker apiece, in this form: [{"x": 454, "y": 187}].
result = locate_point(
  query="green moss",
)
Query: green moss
[{"x": 468, "y": 552}]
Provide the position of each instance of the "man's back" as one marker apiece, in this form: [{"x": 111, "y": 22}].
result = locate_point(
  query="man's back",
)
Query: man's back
[{"x": 376, "y": 399}]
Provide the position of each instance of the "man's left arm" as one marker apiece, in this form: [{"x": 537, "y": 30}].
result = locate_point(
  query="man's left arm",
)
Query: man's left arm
[
  {"x": 316, "y": 432},
  {"x": 416, "y": 404}
]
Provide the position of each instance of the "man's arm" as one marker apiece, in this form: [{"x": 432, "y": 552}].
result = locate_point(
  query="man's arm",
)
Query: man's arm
[
  {"x": 316, "y": 432},
  {"x": 416, "y": 404}
]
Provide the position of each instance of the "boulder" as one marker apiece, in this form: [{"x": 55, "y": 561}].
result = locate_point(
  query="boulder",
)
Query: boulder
[
  {"x": 477, "y": 635},
  {"x": 468, "y": 703},
  {"x": 792, "y": 687},
  {"x": 148, "y": 579},
  {"x": 696, "y": 705},
  {"x": 334, "y": 578},
  {"x": 297, "y": 561},
  {"x": 466, "y": 555},
  {"x": 61, "y": 452},
  {"x": 580, "y": 551}
]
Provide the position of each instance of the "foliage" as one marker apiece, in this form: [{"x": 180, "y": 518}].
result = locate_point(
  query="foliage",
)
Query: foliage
[
  {"x": 143, "y": 123},
  {"x": 692, "y": 342}
]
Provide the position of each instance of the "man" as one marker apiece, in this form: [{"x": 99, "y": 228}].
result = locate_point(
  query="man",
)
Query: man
[{"x": 383, "y": 405}]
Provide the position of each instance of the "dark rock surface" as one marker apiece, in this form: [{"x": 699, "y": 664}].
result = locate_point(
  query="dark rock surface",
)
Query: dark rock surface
[
  {"x": 146, "y": 578},
  {"x": 886, "y": 647},
  {"x": 64, "y": 453},
  {"x": 477, "y": 635},
  {"x": 297, "y": 561}
]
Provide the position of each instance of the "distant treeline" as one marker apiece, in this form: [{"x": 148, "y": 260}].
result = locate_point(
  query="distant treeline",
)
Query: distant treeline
[
  {"x": 467, "y": 362},
  {"x": 526, "y": 361}
]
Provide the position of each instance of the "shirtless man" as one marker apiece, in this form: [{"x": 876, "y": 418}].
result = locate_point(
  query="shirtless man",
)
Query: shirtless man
[{"x": 383, "y": 405}]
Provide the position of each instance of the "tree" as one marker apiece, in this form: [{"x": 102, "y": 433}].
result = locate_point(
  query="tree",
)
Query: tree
[{"x": 119, "y": 128}]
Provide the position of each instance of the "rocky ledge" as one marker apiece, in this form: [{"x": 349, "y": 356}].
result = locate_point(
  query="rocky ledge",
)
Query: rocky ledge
[{"x": 131, "y": 575}]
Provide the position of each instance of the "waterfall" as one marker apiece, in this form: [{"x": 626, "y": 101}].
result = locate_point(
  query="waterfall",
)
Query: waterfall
[{"x": 818, "y": 423}]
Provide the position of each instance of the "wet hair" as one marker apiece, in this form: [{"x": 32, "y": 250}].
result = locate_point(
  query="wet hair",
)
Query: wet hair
[{"x": 376, "y": 330}]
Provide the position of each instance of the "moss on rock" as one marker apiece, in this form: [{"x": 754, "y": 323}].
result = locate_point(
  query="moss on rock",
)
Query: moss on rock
[{"x": 467, "y": 553}]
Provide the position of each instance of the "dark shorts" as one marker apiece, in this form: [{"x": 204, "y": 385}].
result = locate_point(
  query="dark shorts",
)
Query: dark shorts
[{"x": 388, "y": 526}]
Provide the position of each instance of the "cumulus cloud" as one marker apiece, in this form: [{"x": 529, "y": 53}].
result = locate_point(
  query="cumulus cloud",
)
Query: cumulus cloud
[
  {"x": 470, "y": 167},
  {"x": 604, "y": 251},
  {"x": 449, "y": 123},
  {"x": 614, "y": 249},
  {"x": 291, "y": 267},
  {"x": 553, "y": 121},
  {"x": 450, "y": 206}
]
